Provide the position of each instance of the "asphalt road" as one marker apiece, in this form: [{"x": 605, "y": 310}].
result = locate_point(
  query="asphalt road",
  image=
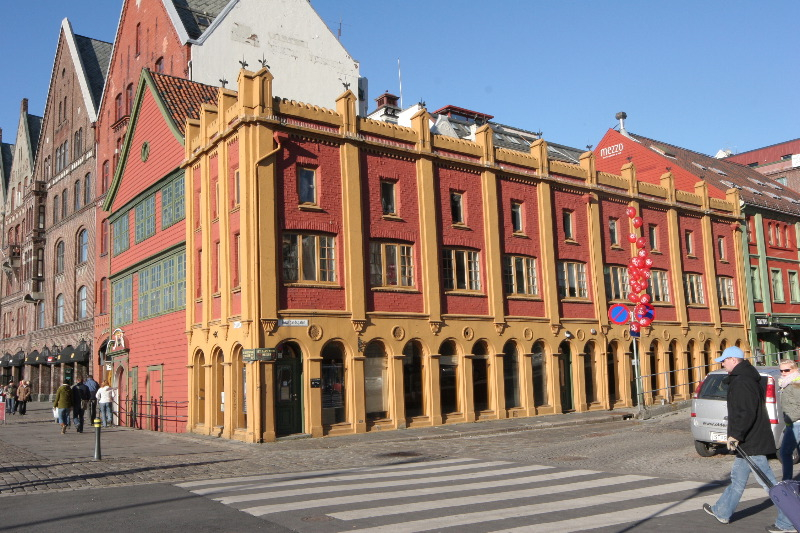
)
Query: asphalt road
[{"x": 351, "y": 487}]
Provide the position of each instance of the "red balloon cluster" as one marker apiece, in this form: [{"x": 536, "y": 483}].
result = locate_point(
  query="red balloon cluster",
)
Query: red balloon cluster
[{"x": 638, "y": 273}]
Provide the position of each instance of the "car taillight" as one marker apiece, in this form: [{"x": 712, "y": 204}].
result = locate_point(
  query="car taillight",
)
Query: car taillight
[
  {"x": 771, "y": 400},
  {"x": 697, "y": 390}
]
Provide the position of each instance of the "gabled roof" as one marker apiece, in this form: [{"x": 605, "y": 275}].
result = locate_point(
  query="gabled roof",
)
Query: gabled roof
[
  {"x": 34, "y": 130},
  {"x": 755, "y": 189},
  {"x": 6, "y": 160},
  {"x": 177, "y": 98},
  {"x": 195, "y": 16},
  {"x": 95, "y": 56},
  {"x": 182, "y": 99},
  {"x": 767, "y": 154}
]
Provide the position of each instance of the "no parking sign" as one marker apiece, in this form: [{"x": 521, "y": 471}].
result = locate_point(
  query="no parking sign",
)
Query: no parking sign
[{"x": 619, "y": 314}]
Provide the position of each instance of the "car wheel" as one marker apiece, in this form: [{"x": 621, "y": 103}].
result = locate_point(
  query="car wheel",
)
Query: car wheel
[{"x": 704, "y": 449}]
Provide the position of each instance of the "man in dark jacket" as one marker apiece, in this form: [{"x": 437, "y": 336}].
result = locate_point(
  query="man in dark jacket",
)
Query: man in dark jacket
[
  {"x": 748, "y": 428},
  {"x": 80, "y": 400},
  {"x": 92, "y": 385}
]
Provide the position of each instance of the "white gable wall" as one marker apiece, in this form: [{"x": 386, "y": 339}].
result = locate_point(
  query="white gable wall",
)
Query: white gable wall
[{"x": 308, "y": 62}]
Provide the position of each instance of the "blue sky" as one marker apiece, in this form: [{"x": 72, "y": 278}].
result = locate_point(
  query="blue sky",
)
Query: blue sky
[{"x": 699, "y": 74}]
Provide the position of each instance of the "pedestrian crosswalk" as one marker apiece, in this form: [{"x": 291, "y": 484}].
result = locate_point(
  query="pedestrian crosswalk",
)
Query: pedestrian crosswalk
[{"x": 451, "y": 494}]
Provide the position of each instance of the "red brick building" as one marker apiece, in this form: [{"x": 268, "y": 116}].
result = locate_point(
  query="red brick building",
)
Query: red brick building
[
  {"x": 767, "y": 235},
  {"x": 779, "y": 162},
  {"x": 352, "y": 275},
  {"x": 147, "y": 260}
]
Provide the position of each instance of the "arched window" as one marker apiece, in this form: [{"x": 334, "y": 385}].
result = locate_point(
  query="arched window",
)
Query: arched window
[
  {"x": 83, "y": 246},
  {"x": 60, "y": 257},
  {"x": 334, "y": 404},
  {"x": 128, "y": 99},
  {"x": 511, "y": 375},
  {"x": 376, "y": 390},
  {"x": 87, "y": 189},
  {"x": 40, "y": 315},
  {"x": 104, "y": 237},
  {"x": 77, "y": 144},
  {"x": 160, "y": 65},
  {"x": 539, "y": 375},
  {"x": 55, "y": 209},
  {"x": 77, "y": 199},
  {"x": 103, "y": 296},
  {"x": 82, "y": 307},
  {"x": 448, "y": 373},
  {"x": 589, "y": 373},
  {"x": 59, "y": 309},
  {"x": 412, "y": 379},
  {"x": 118, "y": 110},
  {"x": 106, "y": 176}
]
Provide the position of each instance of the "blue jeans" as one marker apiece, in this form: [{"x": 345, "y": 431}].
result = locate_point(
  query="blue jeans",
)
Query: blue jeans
[
  {"x": 63, "y": 415},
  {"x": 11, "y": 405},
  {"x": 740, "y": 472},
  {"x": 791, "y": 438},
  {"x": 105, "y": 413}
]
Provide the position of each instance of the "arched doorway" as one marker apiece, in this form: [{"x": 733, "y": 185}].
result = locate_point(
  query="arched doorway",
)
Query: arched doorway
[
  {"x": 288, "y": 390},
  {"x": 218, "y": 389},
  {"x": 637, "y": 385},
  {"x": 611, "y": 372},
  {"x": 672, "y": 380},
  {"x": 239, "y": 395},
  {"x": 565, "y": 376},
  {"x": 538, "y": 361},
  {"x": 511, "y": 375},
  {"x": 652, "y": 389},
  {"x": 696, "y": 368},
  {"x": 448, "y": 374},
  {"x": 706, "y": 357},
  {"x": 121, "y": 384},
  {"x": 589, "y": 374},
  {"x": 413, "y": 397},
  {"x": 480, "y": 377},
  {"x": 334, "y": 404},
  {"x": 199, "y": 403},
  {"x": 376, "y": 390}
]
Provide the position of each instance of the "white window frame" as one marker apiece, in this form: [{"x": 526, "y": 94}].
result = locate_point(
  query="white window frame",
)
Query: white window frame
[
  {"x": 320, "y": 249},
  {"x": 457, "y": 208},
  {"x": 516, "y": 217},
  {"x": 613, "y": 231},
  {"x": 568, "y": 223},
  {"x": 388, "y": 190},
  {"x": 727, "y": 294},
  {"x": 616, "y": 282},
  {"x": 519, "y": 275},
  {"x": 794, "y": 286},
  {"x": 689, "y": 240},
  {"x": 658, "y": 288},
  {"x": 693, "y": 287},
  {"x": 307, "y": 193},
  {"x": 391, "y": 264},
  {"x": 755, "y": 278},
  {"x": 776, "y": 278},
  {"x": 461, "y": 270},
  {"x": 572, "y": 280}
]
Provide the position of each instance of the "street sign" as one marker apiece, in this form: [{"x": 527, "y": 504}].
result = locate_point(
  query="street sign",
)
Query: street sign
[
  {"x": 644, "y": 311},
  {"x": 636, "y": 334},
  {"x": 619, "y": 314},
  {"x": 258, "y": 354}
]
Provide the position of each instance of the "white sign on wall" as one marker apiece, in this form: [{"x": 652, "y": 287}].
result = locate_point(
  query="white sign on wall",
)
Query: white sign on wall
[
  {"x": 795, "y": 160},
  {"x": 610, "y": 151},
  {"x": 289, "y": 322}
]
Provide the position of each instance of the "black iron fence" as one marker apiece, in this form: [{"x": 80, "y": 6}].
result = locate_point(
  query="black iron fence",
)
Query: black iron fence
[{"x": 154, "y": 414}]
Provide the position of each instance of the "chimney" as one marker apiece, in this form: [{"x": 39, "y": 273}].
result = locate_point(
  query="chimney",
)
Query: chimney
[
  {"x": 621, "y": 116},
  {"x": 24, "y": 107},
  {"x": 386, "y": 99}
]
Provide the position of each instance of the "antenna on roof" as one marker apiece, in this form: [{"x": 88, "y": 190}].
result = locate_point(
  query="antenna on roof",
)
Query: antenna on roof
[
  {"x": 339, "y": 32},
  {"x": 400, "y": 80}
]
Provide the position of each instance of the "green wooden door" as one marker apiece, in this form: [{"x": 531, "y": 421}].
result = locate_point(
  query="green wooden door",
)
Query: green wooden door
[{"x": 288, "y": 377}]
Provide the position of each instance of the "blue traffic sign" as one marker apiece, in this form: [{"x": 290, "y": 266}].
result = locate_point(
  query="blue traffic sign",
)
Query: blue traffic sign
[{"x": 619, "y": 314}]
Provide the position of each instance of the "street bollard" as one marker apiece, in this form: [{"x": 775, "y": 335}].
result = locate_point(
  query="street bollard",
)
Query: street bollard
[{"x": 97, "y": 455}]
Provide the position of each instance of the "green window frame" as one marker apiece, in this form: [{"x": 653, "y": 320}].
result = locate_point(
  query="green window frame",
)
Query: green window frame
[
  {"x": 173, "y": 207},
  {"x": 145, "y": 218},
  {"x": 122, "y": 302},
  {"x": 162, "y": 287},
  {"x": 121, "y": 231}
]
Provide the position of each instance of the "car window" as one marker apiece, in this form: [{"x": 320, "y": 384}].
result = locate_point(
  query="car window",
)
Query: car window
[{"x": 714, "y": 387}]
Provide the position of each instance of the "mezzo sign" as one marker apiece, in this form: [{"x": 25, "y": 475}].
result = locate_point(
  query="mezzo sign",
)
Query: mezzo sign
[{"x": 609, "y": 151}]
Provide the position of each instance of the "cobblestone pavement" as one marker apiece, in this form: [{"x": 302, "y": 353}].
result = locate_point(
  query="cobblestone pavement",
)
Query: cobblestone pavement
[{"x": 36, "y": 457}]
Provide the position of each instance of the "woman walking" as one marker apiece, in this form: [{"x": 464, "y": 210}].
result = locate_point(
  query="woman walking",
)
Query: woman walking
[
  {"x": 105, "y": 398},
  {"x": 63, "y": 403},
  {"x": 790, "y": 401}
]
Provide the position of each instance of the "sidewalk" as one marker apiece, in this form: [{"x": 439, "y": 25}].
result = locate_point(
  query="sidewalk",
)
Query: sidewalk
[{"x": 36, "y": 456}]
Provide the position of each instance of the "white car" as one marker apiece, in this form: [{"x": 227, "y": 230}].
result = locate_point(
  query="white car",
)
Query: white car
[{"x": 710, "y": 410}]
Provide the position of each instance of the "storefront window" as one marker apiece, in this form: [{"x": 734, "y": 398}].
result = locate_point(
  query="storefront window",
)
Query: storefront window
[
  {"x": 333, "y": 385},
  {"x": 375, "y": 389}
]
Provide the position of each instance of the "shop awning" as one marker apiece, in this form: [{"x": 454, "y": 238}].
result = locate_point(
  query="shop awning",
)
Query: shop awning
[
  {"x": 768, "y": 329},
  {"x": 33, "y": 358},
  {"x": 6, "y": 360},
  {"x": 47, "y": 357},
  {"x": 790, "y": 326},
  {"x": 73, "y": 355},
  {"x": 18, "y": 359}
]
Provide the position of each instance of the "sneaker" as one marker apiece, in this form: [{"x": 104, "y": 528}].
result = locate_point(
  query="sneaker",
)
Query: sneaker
[
  {"x": 775, "y": 529},
  {"x": 707, "y": 508}
]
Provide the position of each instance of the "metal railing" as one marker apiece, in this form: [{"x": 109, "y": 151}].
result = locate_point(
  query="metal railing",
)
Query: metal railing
[{"x": 154, "y": 414}]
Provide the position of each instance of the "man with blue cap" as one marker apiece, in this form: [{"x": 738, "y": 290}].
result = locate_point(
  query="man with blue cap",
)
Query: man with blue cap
[{"x": 749, "y": 428}]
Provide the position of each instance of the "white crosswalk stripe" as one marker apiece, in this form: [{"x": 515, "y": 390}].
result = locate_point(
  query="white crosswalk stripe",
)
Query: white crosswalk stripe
[{"x": 453, "y": 494}]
